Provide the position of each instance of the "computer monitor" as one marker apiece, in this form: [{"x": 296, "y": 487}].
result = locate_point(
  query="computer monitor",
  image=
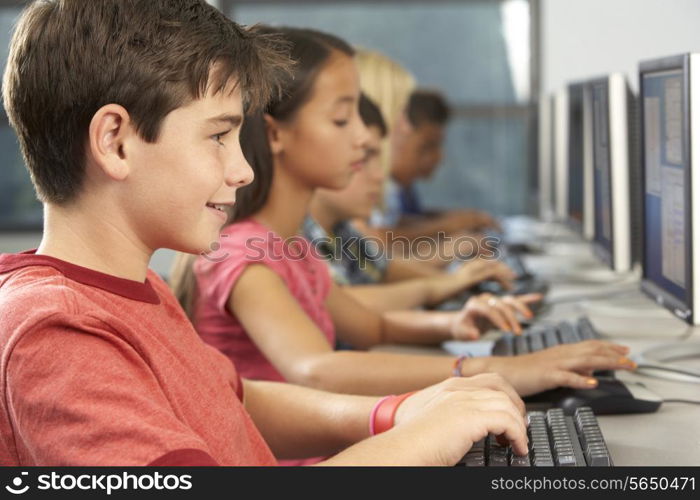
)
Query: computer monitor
[
  {"x": 615, "y": 172},
  {"x": 670, "y": 127},
  {"x": 574, "y": 154},
  {"x": 588, "y": 230},
  {"x": 560, "y": 134},
  {"x": 546, "y": 155}
]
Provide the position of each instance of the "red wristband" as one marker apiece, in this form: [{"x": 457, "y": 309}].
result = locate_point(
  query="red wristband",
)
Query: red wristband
[{"x": 386, "y": 410}]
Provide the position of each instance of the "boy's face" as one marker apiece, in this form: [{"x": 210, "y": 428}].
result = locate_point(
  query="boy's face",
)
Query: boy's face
[
  {"x": 196, "y": 163},
  {"x": 419, "y": 152},
  {"x": 365, "y": 188}
]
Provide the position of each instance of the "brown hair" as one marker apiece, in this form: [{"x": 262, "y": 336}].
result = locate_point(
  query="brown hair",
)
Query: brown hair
[
  {"x": 371, "y": 114},
  {"x": 68, "y": 58},
  {"x": 427, "y": 106}
]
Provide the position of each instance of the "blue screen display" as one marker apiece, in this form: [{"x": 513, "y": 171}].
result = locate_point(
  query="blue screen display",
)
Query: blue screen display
[{"x": 666, "y": 175}]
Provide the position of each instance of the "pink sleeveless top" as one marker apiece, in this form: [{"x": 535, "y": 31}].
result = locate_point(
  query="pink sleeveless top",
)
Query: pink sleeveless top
[{"x": 242, "y": 244}]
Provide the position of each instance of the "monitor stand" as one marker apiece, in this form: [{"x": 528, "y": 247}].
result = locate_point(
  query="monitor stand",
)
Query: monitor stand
[
  {"x": 634, "y": 316},
  {"x": 678, "y": 361}
]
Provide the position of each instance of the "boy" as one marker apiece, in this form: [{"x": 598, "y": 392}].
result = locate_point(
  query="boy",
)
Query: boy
[
  {"x": 128, "y": 113},
  {"x": 417, "y": 143}
]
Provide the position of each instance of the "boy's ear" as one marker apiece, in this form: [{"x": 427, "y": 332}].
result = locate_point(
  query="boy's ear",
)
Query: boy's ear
[
  {"x": 108, "y": 132},
  {"x": 274, "y": 134}
]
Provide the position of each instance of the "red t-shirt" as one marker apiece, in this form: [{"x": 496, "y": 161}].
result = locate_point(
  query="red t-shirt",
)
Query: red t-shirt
[{"x": 100, "y": 370}]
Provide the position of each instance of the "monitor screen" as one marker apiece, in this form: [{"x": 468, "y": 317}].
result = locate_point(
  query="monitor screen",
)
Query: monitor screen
[
  {"x": 575, "y": 153},
  {"x": 666, "y": 207},
  {"x": 602, "y": 195}
]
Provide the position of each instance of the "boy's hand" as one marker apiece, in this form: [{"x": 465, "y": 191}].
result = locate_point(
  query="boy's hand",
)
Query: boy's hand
[
  {"x": 568, "y": 365},
  {"x": 487, "y": 311},
  {"x": 446, "y": 419}
]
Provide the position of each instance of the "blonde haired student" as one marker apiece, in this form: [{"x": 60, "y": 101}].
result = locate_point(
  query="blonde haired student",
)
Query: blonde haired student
[{"x": 388, "y": 84}]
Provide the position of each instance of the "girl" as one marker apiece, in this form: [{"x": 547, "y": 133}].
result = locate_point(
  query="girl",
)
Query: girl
[
  {"x": 269, "y": 304},
  {"x": 379, "y": 282}
]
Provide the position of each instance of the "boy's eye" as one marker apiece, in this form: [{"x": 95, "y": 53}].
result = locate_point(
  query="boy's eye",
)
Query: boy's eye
[
  {"x": 219, "y": 136},
  {"x": 340, "y": 123}
]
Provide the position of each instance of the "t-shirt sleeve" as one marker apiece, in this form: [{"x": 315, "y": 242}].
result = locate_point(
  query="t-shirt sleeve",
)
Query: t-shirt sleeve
[
  {"x": 79, "y": 394},
  {"x": 216, "y": 278}
]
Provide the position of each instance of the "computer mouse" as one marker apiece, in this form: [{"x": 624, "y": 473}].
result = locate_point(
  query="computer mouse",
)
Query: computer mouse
[{"x": 610, "y": 397}]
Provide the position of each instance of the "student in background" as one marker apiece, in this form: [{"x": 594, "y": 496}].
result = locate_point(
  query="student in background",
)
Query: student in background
[
  {"x": 418, "y": 141},
  {"x": 266, "y": 301},
  {"x": 390, "y": 86},
  {"x": 361, "y": 265},
  {"x": 100, "y": 365}
]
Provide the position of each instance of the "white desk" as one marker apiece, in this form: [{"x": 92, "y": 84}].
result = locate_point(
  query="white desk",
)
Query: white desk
[{"x": 670, "y": 436}]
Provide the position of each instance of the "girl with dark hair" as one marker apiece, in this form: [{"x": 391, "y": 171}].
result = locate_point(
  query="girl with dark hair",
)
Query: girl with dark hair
[{"x": 267, "y": 301}]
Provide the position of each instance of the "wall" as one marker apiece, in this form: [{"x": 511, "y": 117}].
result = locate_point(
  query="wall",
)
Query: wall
[{"x": 588, "y": 38}]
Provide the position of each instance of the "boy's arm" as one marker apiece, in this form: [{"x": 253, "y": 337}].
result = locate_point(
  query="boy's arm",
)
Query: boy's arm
[
  {"x": 435, "y": 426},
  {"x": 301, "y": 422}
]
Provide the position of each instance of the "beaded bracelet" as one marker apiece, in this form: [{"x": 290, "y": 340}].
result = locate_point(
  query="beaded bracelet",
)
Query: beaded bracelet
[{"x": 457, "y": 367}]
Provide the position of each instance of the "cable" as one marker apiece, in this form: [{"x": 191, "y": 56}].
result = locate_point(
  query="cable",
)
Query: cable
[
  {"x": 656, "y": 360},
  {"x": 668, "y": 368},
  {"x": 687, "y": 401}
]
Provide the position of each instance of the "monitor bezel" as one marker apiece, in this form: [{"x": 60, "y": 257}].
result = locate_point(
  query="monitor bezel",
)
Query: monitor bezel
[
  {"x": 588, "y": 230},
  {"x": 560, "y": 157},
  {"x": 576, "y": 225},
  {"x": 683, "y": 310},
  {"x": 605, "y": 255}
]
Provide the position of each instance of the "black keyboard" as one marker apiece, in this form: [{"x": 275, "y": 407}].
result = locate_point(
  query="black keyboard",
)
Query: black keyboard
[
  {"x": 517, "y": 265},
  {"x": 556, "y": 440},
  {"x": 540, "y": 337},
  {"x": 522, "y": 286}
]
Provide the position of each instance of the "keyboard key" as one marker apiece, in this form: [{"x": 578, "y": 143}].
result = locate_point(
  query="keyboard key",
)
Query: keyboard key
[
  {"x": 600, "y": 460},
  {"x": 586, "y": 330},
  {"x": 568, "y": 333},
  {"x": 550, "y": 337},
  {"x": 474, "y": 460},
  {"x": 555, "y": 439},
  {"x": 503, "y": 346},
  {"x": 566, "y": 460},
  {"x": 521, "y": 346},
  {"x": 536, "y": 341},
  {"x": 516, "y": 461}
]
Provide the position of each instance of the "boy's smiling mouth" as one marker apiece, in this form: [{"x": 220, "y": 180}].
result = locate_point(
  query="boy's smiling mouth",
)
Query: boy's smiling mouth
[{"x": 218, "y": 206}]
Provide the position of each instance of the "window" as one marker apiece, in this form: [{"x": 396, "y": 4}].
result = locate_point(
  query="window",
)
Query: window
[
  {"x": 478, "y": 53},
  {"x": 19, "y": 208}
]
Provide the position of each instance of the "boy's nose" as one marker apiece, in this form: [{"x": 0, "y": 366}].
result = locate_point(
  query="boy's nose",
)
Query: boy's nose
[{"x": 238, "y": 173}]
